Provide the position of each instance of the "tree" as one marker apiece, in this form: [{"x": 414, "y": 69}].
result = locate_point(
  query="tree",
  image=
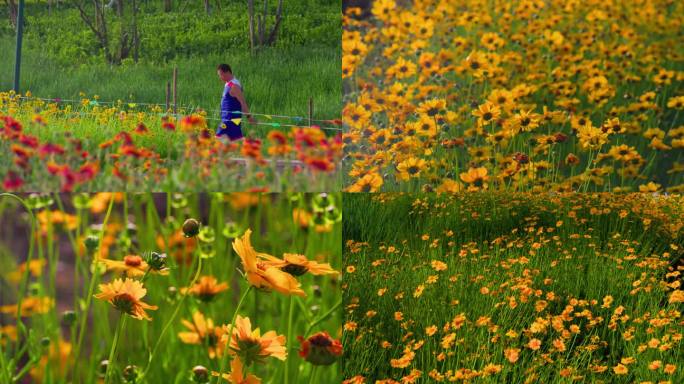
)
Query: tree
[
  {"x": 128, "y": 38},
  {"x": 12, "y": 6},
  {"x": 258, "y": 35}
]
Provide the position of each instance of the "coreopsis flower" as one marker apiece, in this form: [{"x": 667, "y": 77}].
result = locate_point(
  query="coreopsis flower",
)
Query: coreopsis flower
[
  {"x": 591, "y": 137},
  {"x": 410, "y": 168},
  {"x": 30, "y": 306},
  {"x": 250, "y": 345},
  {"x": 237, "y": 375},
  {"x": 486, "y": 113},
  {"x": 125, "y": 296},
  {"x": 476, "y": 177},
  {"x": 131, "y": 266},
  {"x": 206, "y": 288},
  {"x": 369, "y": 182},
  {"x": 320, "y": 349},
  {"x": 297, "y": 265},
  {"x": 260, "y": 275},
  {"x": 201, "y": 331},
  {"x": 35, "y": 268}
]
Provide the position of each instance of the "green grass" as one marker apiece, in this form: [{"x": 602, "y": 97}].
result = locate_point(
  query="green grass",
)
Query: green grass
[
  {"x": 154, "y": 218},
  {"x": 278, "y": 82},
  {"x": 542, "y": 250}
]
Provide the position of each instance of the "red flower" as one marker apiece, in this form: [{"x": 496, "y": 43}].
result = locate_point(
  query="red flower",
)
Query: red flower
[
  {"x": 320, "y": 349},
  {"x": 141, "y": 129},
  {"x": 12, "y": 181},
  {"x": 49, "y": 149}
]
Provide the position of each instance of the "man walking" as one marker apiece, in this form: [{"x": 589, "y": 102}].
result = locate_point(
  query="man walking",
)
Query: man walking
[{"x": 233, "y": 105}]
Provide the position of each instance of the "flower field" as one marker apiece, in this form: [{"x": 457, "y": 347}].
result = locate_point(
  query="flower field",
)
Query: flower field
[
  {"x": 91, "y": 146},
  {"x": 516, "y": 96},
  {"x": 148, "y": 288},
  {"x": 513, "y": 288}
]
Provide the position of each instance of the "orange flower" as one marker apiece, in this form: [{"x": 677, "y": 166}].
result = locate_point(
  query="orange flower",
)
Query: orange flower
[
  {"x": 206, "y": 288},
  {"x": 236, "y": 375},
  {"x": 203, "y": 332},
  {"x": 30, "y": 306},
  {"x": 35, "y": 268},
  {"x": 477, "y": 177},
  {"x": 297, "y": 265},
  {"x": 250, "y": 345},
  {"x": 132, "y": 266},
  {"x": 320, "y": 349},
  {"x": 260, "y": 275},
  {"x": 125, "y": 296}
]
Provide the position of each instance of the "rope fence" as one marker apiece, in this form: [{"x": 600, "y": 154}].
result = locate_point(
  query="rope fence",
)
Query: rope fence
[
  {"x": 178, "y": 116},
  {"x": 191, "y": 108}
]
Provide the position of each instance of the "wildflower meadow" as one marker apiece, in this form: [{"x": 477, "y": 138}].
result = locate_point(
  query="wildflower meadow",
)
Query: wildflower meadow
[
  {"x": 49, "y": 146},
  {"x": 173, "y": 288},
  {"x": 514, "y": 95},
  {"x": 500, "y": 287}
]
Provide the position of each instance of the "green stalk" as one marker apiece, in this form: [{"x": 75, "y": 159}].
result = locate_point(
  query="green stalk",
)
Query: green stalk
[
  {"x": 232, "y": 326},
  {"x": 289, "y": 340},
  {"x": 110, "y": 361},
  {"x": 173, "y": 317},
  {"x": 312, "y": 376},
  {"x": 91, "y": 287}
]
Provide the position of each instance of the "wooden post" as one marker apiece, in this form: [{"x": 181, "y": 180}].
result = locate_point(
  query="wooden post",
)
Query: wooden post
[
  {"x": 168, "y": 96},
  {"x": 175, "y": 90},
  {"x": 310, "y": 110}
]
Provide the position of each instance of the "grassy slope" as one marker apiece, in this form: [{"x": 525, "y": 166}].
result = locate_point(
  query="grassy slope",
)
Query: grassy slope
[
  {"x": 279, "y": 80},
  {"x": 597, "y": 263}
]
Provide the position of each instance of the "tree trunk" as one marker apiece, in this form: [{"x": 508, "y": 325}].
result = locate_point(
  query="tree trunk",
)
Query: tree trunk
[
  {"x": 274, "y": 32},
  {"x": 167, "y": 5},
  {"x": 250, "y": 4},
  {"x": 12, "y": 6},
  {"x": 206, "y": 6}
]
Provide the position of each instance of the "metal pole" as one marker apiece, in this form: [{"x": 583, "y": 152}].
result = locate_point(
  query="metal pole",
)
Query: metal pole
[{"x": 17, "y": 57}]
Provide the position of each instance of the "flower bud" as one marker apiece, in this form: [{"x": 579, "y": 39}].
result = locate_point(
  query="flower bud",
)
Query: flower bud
[
  {"x": 157, "y": 261},
  {"x": 200, "y": 374},
  {"x": 91, "y": 243},
  {"x": 191, "y": 228},
  {"x": 68, "y": 318},
  {"x": 130, "y": 373}
]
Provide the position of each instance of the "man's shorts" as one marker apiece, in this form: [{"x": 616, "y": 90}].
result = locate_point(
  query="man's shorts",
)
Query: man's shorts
[{"x": 230, "y": 129}]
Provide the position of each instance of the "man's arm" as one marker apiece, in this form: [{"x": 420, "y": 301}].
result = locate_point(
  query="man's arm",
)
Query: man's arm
[{"x": 236, "y": 92}]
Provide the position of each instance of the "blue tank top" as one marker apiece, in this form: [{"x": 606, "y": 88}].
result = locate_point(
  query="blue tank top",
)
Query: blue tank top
[{"x": 230, "y": 104}]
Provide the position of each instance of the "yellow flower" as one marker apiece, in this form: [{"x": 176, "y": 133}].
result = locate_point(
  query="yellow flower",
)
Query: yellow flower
[
  {"x": 125, "y": 296},
  {"x": 486, "y": 113},
  {"x": 410, "y": 167},
  {"x": 249, "y": 345},
  {"x": 206, "y": 288},
  {"x": 591, "y": 137},
  {"x": 297, "y": 265},
  {"x": 132, "y": 266},
  {"x": 203, "y": 332},
  {"x": 261, "y": 276},
  {"x": 476, "y": 177}
]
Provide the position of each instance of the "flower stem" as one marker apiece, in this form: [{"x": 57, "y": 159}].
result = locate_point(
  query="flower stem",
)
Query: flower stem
[
  {"x": 112, "y": 351},
  {"x": 289, "y": 340},
  {"x": 230, "y": 335},
  {"x": 173, "y": 317},
  {"x": 91, "y": 286},
  {"x": 313, "y": 373}
]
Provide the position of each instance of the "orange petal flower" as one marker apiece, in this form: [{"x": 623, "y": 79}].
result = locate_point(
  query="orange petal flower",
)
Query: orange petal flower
[
  {"x": 260, "y": 275},
  {"x": 125, "y": 296},
  {"x": 250, "y": 345}
]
